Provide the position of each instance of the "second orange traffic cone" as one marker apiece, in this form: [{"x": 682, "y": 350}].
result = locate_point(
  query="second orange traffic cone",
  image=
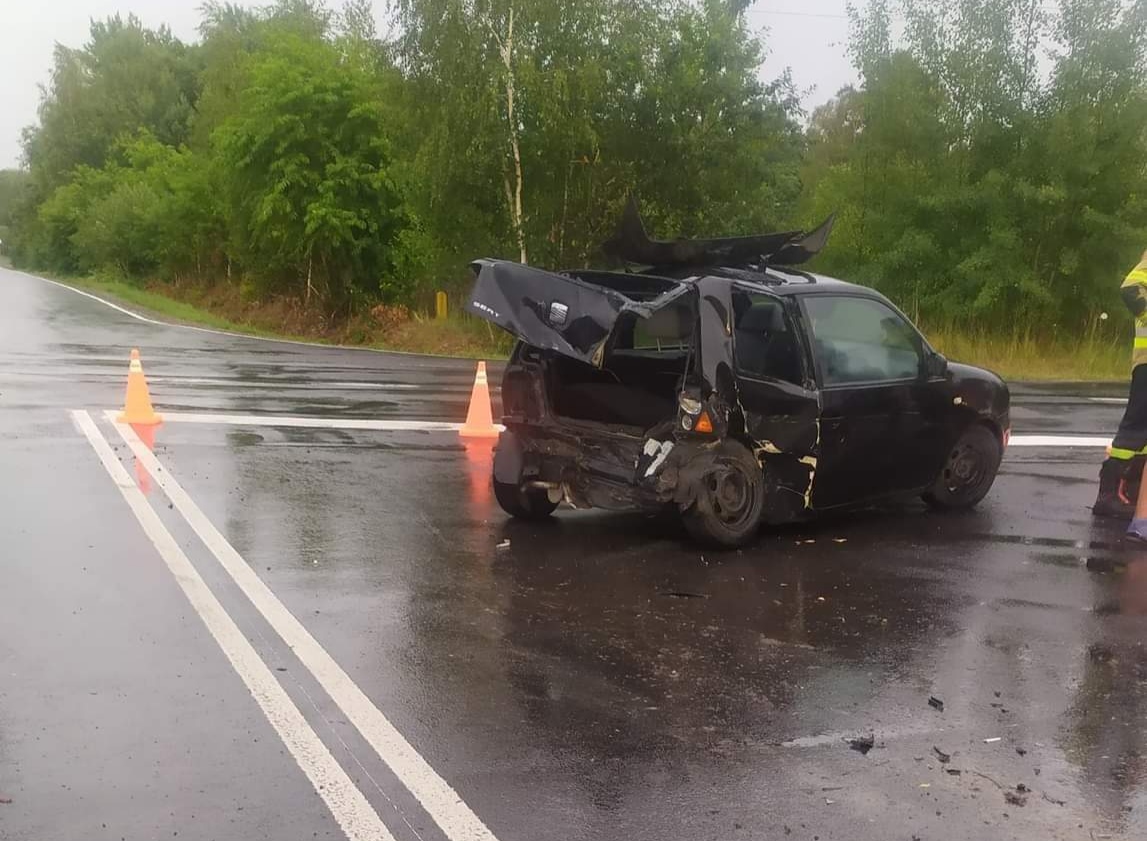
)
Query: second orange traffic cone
[
  {"x": 137, "y": 407},
  {"x": 480, "y": 418}
]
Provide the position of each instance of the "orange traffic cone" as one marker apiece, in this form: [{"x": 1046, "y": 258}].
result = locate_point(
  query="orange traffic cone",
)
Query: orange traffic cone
[
  {"x": 480, "y": 418},
  {"x": 137, "y": 405}
]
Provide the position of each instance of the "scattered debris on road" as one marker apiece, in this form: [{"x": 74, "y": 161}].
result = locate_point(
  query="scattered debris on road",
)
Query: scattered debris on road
[
  {"x": 863, "y": 745},
  {"x": 993, "y": 740},
  {"x": 1022, "y": 751},
  {"x": 503, "y": 546},
  {"x": 944, "y": 758},
  {"x": 936, "y": 704},
  {"x": 5, "y": 800},
  {"x": 1015, "y": 798}
]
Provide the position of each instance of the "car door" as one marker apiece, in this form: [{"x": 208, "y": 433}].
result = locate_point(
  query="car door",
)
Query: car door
[
  {"x": 777, "y": 396},
  {"x": 875, "y": 413}
]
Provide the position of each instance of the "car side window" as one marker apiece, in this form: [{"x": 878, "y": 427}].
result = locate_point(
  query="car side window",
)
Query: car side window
[
  {"x": 764, "y": 344},
  {"x": 860, "y": 340}
]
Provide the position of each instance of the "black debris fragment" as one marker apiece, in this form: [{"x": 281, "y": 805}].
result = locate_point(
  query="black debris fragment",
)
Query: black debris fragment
[
  {"x": 1022, "y": 789},
  {"x": 1015, "y": 799},
  {"x": 862, "y": 745},
  {"x": 945, "y": 758},
  {"x": 955, "y": 772},
  {"x": 5, "y": 800},
  {"x": 1022, "y": 751},
  {"x": 936, "y": 704},
  {"x": 1054, "y": 800}
]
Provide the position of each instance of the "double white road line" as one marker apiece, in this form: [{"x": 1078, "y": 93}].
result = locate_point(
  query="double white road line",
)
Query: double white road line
[{"x": 348, "y": 805}]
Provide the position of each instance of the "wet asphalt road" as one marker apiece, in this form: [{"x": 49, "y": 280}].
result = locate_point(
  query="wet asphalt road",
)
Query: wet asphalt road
[{"x": 600, "y": 679}]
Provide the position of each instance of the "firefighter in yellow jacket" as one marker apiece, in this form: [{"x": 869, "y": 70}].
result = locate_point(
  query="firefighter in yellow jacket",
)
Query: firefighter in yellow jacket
[{"x": 1121, "y": 468}]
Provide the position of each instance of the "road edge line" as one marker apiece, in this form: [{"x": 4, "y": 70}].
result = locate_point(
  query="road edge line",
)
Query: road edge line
[
  {"x": 444, "y": 805},
  {"x": 348, "y": 805}
]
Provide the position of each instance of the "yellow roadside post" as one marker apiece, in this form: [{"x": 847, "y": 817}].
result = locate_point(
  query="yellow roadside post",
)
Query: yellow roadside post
[{"x": 440, "y": 305}]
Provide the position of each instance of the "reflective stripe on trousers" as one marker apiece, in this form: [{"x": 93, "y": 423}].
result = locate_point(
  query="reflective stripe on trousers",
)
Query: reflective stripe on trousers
[{"x": 1125, "y": 455}]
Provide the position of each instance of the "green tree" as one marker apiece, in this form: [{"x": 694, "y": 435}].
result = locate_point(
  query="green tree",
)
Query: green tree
[{"x": 311, "y": 204}]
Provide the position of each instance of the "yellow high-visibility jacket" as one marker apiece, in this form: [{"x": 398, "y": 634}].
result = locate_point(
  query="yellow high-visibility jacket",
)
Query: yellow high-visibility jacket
[{"x": 1134, "y": 291}]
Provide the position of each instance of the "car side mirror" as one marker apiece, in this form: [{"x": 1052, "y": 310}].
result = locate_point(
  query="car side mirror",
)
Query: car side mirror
[{"x": 935, "y": 366}]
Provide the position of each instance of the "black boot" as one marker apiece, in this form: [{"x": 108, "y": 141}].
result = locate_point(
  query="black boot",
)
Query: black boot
[{"x": 1112, "y": 500}]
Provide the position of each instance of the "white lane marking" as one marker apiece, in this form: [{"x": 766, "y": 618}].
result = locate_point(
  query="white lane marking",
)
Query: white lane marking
[
  {"x": 313, "y": 423},
  {"x": 456, "y": 819},
  {"x": 346, "y": 802},
  {"x": 1058, "y": 441},
  {"x": 115, "y": 307},
  {"x": 232, "y": 334},
  {"x": 1122, "y": 401},
  {"x": 313, "y": 385},
  {"x": 443, "y": 426}
]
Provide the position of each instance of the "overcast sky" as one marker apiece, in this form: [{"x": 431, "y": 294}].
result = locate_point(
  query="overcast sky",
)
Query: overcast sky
[{"x": 806, "y": 35}]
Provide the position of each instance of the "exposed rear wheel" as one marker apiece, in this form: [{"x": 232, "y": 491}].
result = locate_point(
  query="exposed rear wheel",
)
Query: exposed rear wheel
[
  {"x": 730, "y": 498},
  {"x": 523, "y": 503},
  {"x": 969, "y": 472}
]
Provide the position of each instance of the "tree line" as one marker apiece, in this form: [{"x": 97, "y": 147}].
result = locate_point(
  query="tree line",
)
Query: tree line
[{"x": 989, "y": 169}]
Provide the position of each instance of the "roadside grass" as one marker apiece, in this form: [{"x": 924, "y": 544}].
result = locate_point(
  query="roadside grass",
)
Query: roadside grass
[
  {"x": 1019, "y": 356},
  {"x": 1022, "y": 356}
]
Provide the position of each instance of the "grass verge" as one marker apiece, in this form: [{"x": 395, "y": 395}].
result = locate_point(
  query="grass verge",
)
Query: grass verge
[{"x": 1024, "y": 357}]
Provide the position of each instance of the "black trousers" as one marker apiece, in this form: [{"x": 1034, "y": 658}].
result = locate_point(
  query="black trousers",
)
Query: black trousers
[{"x": 1131, "y": 439}]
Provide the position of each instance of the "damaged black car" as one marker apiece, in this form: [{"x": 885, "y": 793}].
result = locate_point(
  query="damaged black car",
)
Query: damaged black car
[{"x": 721, "y": 380}]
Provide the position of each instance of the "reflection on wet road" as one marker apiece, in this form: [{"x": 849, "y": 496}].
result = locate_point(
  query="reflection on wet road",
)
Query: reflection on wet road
[{"x": 599, "y": 678}]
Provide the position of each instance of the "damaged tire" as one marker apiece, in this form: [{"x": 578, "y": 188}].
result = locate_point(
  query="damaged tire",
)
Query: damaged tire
[
  {"x": 523, "y": 503},
  {"x": 729, "y": 498},
  {"x": 969, "y": 472}
]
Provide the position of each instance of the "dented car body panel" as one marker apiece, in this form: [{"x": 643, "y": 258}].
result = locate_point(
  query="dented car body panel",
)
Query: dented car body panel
[{"x": 766, "y": 357}]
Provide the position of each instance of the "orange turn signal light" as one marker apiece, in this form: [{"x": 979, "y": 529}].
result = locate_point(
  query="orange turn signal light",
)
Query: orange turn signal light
[{"x": 704, "y": 423}]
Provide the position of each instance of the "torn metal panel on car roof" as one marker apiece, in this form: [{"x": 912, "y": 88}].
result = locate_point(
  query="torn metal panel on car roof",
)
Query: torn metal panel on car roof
[{"x": 632, "y": 244}]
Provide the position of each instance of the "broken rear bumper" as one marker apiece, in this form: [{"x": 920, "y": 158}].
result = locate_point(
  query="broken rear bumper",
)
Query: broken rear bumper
[{"x": 594, "y": 467}]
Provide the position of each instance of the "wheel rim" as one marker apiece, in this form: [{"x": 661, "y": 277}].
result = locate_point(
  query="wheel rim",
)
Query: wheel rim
[
  {"x": 731, "y": 494},
  {"x": 966, "y": 470}
]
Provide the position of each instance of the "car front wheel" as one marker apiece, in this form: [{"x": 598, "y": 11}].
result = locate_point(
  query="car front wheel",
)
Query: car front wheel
[
  {"x": 523, "y": 503},
  {"x": 969, "y": 472},
  {"x": 729, "y": 499}
]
